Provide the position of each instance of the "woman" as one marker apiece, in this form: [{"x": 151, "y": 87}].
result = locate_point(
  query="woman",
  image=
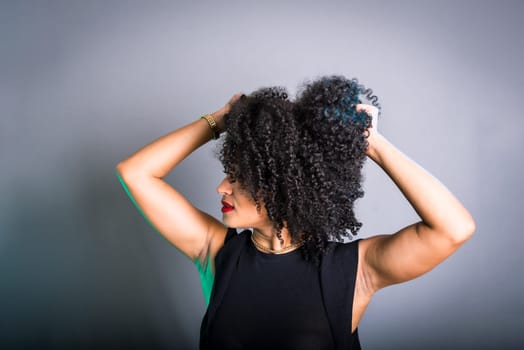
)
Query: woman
[{"x": 293, "y": 173}]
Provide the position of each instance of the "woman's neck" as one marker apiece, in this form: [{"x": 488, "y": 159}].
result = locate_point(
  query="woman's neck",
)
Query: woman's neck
[{"x": 269, "y": 240}]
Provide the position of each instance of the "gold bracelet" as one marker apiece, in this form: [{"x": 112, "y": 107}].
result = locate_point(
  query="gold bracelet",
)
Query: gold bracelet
[{"x": 212, "y": 124}]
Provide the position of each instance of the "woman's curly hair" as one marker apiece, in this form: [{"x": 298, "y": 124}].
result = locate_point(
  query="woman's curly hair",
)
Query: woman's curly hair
[{"x": 302, "y": 159}]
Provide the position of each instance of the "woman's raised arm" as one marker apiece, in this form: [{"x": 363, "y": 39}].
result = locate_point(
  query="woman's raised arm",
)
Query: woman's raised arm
[
  {"x": 195, "y": 233},
  {"x": 414, "y": 250}
]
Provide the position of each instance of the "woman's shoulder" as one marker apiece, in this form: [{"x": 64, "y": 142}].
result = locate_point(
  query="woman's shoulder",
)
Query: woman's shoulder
[
  {"x": 234, "y": 238},
  {"x": 233, "y": 232},
  {"x": 335, "y": 245},
  {"x": 345, "y": 251}
]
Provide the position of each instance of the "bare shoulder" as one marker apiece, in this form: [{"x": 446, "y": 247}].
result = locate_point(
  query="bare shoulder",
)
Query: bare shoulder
[
  {"x": 215, "y": 234},
  {"x": 366, "y": 280}
]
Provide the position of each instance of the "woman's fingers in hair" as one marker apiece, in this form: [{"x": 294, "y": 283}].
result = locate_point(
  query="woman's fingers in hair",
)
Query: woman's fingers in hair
[
  {"x": 232, "y": 100},
  {"x": 235, "y": 98},
  {"x": 370, "y": 110}
]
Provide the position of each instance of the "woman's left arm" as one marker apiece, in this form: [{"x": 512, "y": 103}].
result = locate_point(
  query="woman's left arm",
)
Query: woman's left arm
[{"x": 416, "y": 249}]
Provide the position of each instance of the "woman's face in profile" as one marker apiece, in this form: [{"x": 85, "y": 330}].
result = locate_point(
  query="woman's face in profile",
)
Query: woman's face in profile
[{"x": 238, "y": 208}]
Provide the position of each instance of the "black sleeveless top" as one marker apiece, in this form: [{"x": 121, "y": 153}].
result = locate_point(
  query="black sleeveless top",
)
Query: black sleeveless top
[{"x": 271, "y": 302}]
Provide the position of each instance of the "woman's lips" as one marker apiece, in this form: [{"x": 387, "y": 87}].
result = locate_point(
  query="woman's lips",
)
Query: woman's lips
[{"x": 226, "y": 207}]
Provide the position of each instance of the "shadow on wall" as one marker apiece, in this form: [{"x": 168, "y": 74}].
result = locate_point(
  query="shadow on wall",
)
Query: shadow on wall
[{"x": 78, "y": 270}]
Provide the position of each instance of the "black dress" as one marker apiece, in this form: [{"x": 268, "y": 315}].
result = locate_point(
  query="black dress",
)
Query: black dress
[{"x": 268, "y": 301}]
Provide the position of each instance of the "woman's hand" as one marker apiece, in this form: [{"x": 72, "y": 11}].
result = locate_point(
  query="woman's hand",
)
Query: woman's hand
[
  {"x": 219, "y": 114},
  {"x": 373, "y": 128},
  {"x": 372, "y": 111}
]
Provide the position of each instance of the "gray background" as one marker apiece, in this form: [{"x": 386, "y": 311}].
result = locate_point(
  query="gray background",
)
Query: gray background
[{"x": 85, "y": 84}]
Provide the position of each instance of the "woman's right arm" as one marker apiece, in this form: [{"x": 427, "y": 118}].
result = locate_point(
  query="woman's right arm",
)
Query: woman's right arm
[{"x": 194, "y": 232}]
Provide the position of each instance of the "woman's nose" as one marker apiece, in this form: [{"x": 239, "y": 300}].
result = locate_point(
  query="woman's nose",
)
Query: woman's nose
[{"x": 224, "y": 187}]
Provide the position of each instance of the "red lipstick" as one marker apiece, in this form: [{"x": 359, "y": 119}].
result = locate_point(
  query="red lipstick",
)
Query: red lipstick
[{"x": 226, "y": 207}]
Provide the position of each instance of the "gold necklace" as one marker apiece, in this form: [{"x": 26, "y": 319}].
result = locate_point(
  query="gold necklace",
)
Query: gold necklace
[{"x": 274, "y": 251}]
